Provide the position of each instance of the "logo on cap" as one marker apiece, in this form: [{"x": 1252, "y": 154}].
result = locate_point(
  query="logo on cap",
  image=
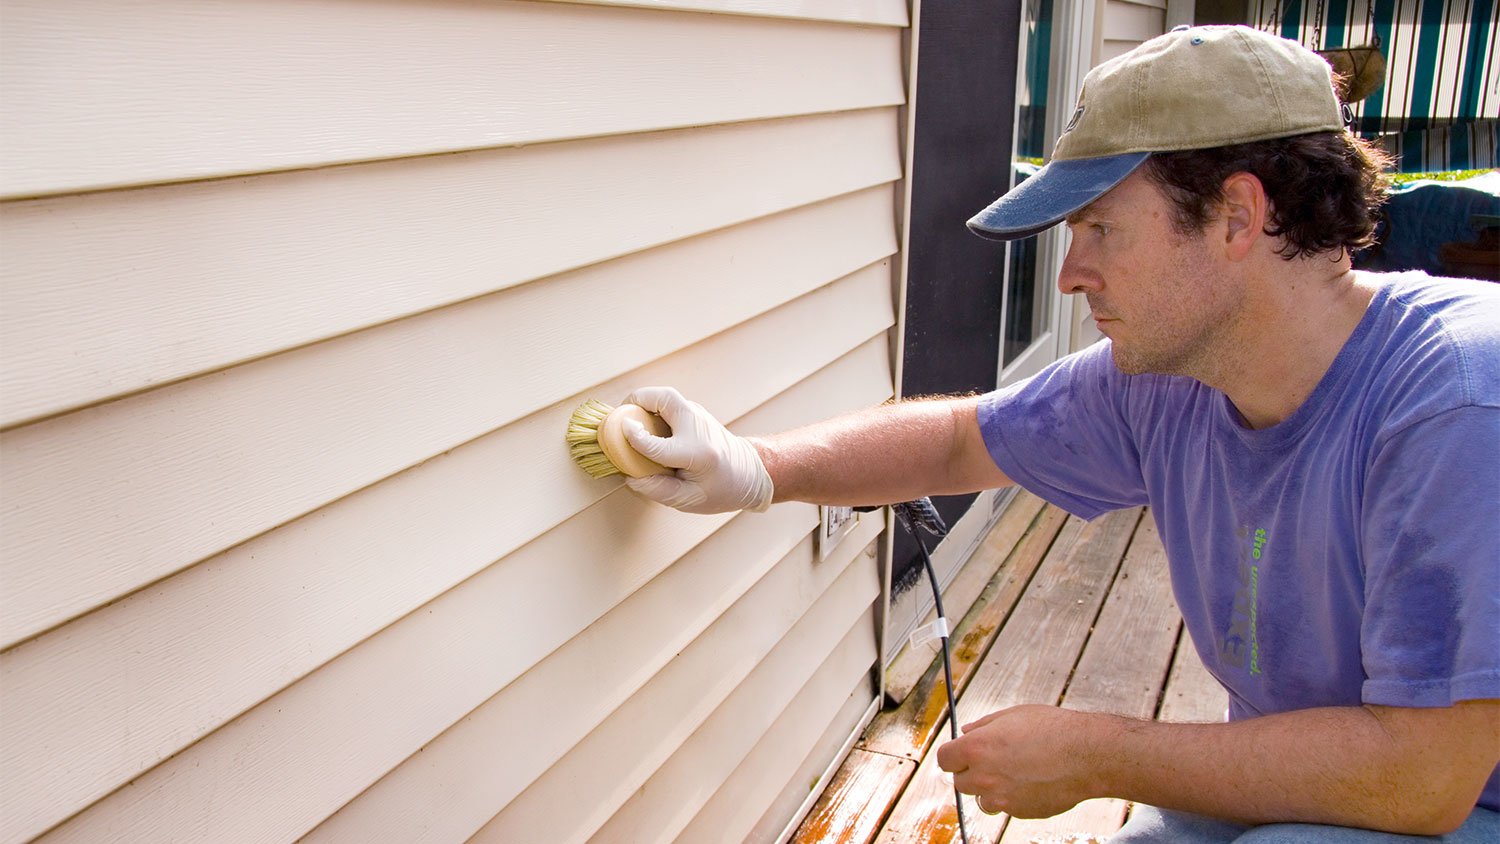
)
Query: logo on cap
[{"x": 1073, "y": 121}]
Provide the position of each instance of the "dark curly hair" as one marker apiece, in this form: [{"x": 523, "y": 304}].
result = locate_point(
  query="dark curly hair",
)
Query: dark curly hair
[{"x": 1325, "y": 189}]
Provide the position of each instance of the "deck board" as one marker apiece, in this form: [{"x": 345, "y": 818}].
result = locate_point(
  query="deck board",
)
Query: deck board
[
  {"x": 1123, "y": 670},
  {"x": 1030, "y": 662},
  {"x": 1193, "y": 695},
  {"x": 857, "y": 798},
  {"x": 916, "y": 662},
  {"x": 909, "y": 729},
  {"x": 1095, "y": 629}
]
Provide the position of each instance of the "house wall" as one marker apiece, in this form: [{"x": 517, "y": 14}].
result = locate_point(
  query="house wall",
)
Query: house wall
[
  {"x": 296, "y": 300},
  {"x": 1129, "y": 23}
]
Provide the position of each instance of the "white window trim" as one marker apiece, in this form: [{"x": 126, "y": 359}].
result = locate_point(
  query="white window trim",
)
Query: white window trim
[{"x": 1075, "y": 43}]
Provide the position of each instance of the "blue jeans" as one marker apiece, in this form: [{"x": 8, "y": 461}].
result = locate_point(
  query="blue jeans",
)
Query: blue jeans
[{"x": 1149, "y": 825}]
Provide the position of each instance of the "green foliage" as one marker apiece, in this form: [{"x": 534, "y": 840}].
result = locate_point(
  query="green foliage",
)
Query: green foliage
[{"x": 1399, "y": 179}]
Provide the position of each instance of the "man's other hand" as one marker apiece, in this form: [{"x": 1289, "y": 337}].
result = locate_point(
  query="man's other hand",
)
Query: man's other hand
[{"x": 1024, "y": 761}]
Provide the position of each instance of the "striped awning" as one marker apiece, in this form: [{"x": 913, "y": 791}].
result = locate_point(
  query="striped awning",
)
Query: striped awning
[{"x": 1441, "y": 79}]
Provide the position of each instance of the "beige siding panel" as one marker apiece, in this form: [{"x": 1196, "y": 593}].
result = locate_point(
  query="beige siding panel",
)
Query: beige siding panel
[
  {"x": 881, "y": 12},
  {"x": 314, "y": 746},
  {"x": 750, "y": 768},
  {"x": 193, "y": 90},
  {"x": 450, "y": 788},
  {"x": 111, "y": 293},
  {"x": 802, "y": 787},
  {"x": 1133, "y": 22},
  {"x": 120, "y": 689},
  {"x": 108, "y": 499},
  {"x": 1109, "y": 50},
  {"x": 616, "y": 759},
  {"x": 453, "y": 786}
]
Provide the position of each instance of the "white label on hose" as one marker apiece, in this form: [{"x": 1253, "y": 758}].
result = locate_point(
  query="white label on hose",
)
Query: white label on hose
[{"x": 928, "y": 632}]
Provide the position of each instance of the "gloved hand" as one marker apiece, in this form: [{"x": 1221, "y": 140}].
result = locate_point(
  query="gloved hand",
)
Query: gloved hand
[{"x": 716, "y": 471}]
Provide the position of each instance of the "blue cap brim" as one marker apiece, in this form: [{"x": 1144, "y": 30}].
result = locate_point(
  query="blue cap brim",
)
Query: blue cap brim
[{"x": 1054, "y": 192}]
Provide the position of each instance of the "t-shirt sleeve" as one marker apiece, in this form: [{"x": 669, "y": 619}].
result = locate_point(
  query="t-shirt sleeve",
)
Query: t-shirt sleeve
[
  {"x": 1431, "y": 545},
  {"x": 1063, "y": 435}
]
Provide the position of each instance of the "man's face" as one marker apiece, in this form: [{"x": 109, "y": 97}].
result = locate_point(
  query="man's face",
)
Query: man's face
[{"x": 1159, "y": 296}]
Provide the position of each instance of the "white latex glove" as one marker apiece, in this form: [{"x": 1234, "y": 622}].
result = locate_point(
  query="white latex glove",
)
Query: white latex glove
[{"x": 717, "y": 472}]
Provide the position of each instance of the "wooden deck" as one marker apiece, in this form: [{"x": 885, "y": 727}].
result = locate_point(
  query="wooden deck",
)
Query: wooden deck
[{"x": 1076, "y": 613}]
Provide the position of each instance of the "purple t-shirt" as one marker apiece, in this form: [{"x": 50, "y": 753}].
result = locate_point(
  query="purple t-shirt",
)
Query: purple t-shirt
[{"x": 1349, "y": 554}]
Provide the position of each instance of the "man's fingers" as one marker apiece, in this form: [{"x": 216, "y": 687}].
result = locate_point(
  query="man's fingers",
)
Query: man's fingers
[
  {"x": 974, "y": 725},
  {"x": 665, "y": 402},
  {"x": 667, "y": 451},
  {"x": 653, "y": 398},
  {"x": 663, "y": 489},
  {"x": 952, "y": 758}
]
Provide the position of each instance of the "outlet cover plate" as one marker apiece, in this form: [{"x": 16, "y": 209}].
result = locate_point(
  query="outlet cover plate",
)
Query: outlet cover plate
[{"x": 834, "y": 523}]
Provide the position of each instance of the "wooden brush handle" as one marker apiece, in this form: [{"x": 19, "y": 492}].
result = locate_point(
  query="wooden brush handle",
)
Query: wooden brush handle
[{"x": 614, "y": 445}]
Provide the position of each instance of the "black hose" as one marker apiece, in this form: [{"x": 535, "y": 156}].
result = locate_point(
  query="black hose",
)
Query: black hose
[
  {"x": 911, "y": 515},
  {"x": 958, "y": 800}
]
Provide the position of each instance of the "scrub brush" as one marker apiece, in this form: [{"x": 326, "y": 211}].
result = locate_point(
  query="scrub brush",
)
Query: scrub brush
[{"x": 596, "y": 439}]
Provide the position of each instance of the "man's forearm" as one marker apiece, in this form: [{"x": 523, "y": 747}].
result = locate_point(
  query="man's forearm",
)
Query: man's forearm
[
  {"x": 894, "y": 452},
  {"x": 1354, "y": 766}
]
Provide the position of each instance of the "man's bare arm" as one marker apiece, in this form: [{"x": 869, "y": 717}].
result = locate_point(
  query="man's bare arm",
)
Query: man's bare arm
[
  {"x": 1406, "y": 770},
  {"x": 881, "y": 455}
]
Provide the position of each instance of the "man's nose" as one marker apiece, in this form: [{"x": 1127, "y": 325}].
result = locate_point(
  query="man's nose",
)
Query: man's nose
[{"x": 1075, "y": 276}]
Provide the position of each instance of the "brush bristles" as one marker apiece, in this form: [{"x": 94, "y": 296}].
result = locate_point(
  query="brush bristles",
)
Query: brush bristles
[{"x": 583, "y": 439}]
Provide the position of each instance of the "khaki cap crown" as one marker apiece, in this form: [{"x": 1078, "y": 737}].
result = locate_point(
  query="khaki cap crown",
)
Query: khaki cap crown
[{"x": 1201, "y": 87}]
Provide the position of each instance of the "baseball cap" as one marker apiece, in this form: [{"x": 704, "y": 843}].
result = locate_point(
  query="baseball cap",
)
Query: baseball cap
[{"x": 1192, "y": 88}]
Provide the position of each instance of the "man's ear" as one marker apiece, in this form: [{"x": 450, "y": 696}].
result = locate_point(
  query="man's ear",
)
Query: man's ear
[{"x": 1244, "y": 212}]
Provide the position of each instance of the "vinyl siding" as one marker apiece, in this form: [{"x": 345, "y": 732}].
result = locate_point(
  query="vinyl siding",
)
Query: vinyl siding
[
  {"x": 730, "y": 813},
  {"x": 1129, "y": 23},
  {"x": 288, "y": 519},
  {"x": 173, "y": 282},
  {"x": 377, "y": 80},
  {"x": 100, "y": 494}
]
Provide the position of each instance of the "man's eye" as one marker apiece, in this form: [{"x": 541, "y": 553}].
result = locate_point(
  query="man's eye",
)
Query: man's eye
[{"x": 1100, "y": 229}]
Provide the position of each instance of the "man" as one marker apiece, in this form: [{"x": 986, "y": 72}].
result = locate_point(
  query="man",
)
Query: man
[{"x": 1318, "y": 446}]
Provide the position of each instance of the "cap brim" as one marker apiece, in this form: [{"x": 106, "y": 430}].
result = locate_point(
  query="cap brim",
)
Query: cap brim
[{"x": 1054, "y": 192}]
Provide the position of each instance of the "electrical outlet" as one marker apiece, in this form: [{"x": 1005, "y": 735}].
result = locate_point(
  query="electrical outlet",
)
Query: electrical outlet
[{"x": 834, "y": 523}]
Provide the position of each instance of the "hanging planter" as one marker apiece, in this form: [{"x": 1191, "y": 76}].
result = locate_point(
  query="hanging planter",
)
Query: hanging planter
[{"x": 1358, "y": 71}]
